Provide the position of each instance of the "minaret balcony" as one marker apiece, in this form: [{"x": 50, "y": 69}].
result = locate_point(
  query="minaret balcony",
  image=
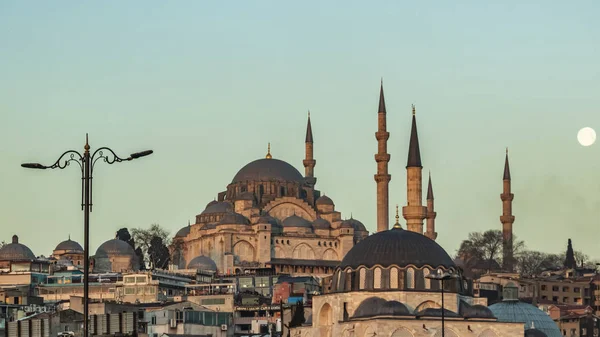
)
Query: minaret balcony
[
  {"x": 382, "y": 135},
  {"x": 382, "y": 178},
  {"x": 414, "y": 212},
  {"x": 382, "y": 157},
  {"x": 507, "y": 196},
  {"x": 507, "y": 218}
]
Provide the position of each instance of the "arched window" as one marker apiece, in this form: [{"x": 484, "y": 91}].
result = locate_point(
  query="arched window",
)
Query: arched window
[
  {"x": 362, "y": 274},
  {"x": 394, "y": 278},
  {"x": 348, "y": 280},
  {"x": 427, "y": 280},
  {"x": 410, "y": 278},
  {"x": 377, "y": 278}
]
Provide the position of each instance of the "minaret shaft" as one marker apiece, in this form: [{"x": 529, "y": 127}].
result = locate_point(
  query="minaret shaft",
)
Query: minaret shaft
[
  {"x": 309, "y": 162},
  {"x": 414, "y": 212},
  {"x": 382, "y": 178},
  {"x": 507, "y": 219},
  {"x": 431, "y": 214}
]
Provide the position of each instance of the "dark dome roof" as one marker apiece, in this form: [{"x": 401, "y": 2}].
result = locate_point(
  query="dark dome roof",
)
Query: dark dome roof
[
  {"x": 217, "y": 207},
  {"x": 393, "y": 308},
  {"x": 69, "y": 245},
  {"x": 346, "y": 224},
  {"x": 436, "y": 312},
  {"x": 534, "y": 333},
  {"x": 324, "y": 200},
  {"x": 15, "y": 251},
  {"x": 369, "y": 307},
  {"x": 232, "y": 218},
  {"x": 268, "y": 219},
  {"x": 296, "y": 221},
  {"x": 478, "y": 311},
  {"x": 321, "y": 223},
  {"x": 114, "y": 247},
  {"x": 397, "y": 247},
  {"x": 212, "y": 202},
  {"x": 357, "y": 225},
  {"x": 202, "y": 263},
  {"x": 183, "y": 232},
  {"x": 268, "y": 170}
]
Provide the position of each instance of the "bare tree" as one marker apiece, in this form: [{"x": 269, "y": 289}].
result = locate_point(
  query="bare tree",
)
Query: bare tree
[{"x": 486, "y": 247}]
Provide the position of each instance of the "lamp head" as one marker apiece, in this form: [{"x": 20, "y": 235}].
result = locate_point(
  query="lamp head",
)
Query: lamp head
[
  {"x": 34, "y": 166},
  {"x": 141, "y": 154}
]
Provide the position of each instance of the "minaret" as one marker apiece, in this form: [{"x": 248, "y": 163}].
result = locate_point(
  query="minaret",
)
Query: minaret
[
  {"x": 309, "y": 162},
  {"x": 414, "y": 212},
  {"x": 431, "y": 214},
  {"x": 507, "y": 219},
  {"x": 382, "y": 158}
]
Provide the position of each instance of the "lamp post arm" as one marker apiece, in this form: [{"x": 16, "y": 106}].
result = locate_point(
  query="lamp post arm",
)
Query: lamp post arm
[
  {"x": 110, "y": 158},
  {"x": 63, "y": 162}
]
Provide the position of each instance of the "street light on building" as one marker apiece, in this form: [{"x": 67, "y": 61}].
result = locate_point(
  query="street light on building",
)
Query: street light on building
[
  {"x": 86, "y": 162},
  {"x": 442, "y": 276}
]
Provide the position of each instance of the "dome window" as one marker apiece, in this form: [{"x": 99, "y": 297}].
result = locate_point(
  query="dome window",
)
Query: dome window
[
  {"x": 410, "y": 278},
  {"x": 377, "y": 278},
  {"x": 427, "y": 280},
  {"x": 362, "y": 274},
  {"x": 394, "y": 278}
]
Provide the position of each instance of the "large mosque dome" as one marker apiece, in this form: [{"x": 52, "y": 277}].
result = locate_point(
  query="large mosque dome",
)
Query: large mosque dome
[
  {"x": 397, "y": 247},
  {"x": 69, "y": 245},
  {"x": 114, "y": 247},
  {"x": 268, "y": 169},
  {"x": 16, "y": 251}
]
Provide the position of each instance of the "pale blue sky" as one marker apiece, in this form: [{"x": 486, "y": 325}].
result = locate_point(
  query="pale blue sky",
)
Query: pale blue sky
[{"x": 208, "y": 84}]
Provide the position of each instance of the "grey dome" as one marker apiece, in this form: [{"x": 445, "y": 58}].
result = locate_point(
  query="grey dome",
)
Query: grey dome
[
  {"x": 357, "y": 225},
  {"x": 397, "y": 247},
  {"x": 436, "y": 312},
  {"x": 212, "y": 202},
  {"x": 232, "y": 218},
  {"x": 296, "y": 221},
  {"x": 321, "y": 223},
  {"x": 369, "y": 307},
  {"x": 268, "y": 170},
  {"x": 477, "y": 311},
  {"x": 69, "y": 245},
  {"x": 114, "y": 247},
  {"x": 325, "y": 200},
  {"x": 393, "y": 308},
  {"x": 217, "y": 207},
  {"x": 183, "y": 232},
  {"x": 268, "y": 219},
  {"x": 516, "y": 311},
  {"x": 346, "y": 224},
  {"x": 16, "y": 251},
  {"x": 202, "y": 263}
]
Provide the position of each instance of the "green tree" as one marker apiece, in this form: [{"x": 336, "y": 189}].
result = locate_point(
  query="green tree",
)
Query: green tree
[{"x": 143, "y": 239}]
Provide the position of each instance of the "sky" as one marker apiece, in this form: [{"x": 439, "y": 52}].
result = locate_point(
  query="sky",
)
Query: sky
[{"x": 207, "y": 84}]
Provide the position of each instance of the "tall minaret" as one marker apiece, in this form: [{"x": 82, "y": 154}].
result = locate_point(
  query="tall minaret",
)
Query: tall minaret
[
  {"x": 309, "y": 162},
  {"x": 507, "y": 219},
  {"x": 431, "y": 214},
  {"x": 414, "y": 212},
  {"x": 382, "y": 158}
]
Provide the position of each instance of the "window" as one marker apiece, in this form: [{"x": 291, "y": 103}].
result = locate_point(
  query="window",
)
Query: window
[
  {"x": 577, "y": 289},
  {"x": 554, "y": 288},
  {"x": 410, "y": 278},
  {"x": 427, "y": 280},
  {"x": 129, "y": 279},
  {"x": 362, "y": 274},
  {"x": 262, "y": 281},
  {"x": 129, "y": 291},
  {"x": 179, "y": 316},
  {"x": 543, "y": 287},
  {"x": 394, "y": 278},
  {"x": 140, "y": 279},
  {"x": 565, "y": 289},
  {"x": 153, "y": 320},
  {"x": 212, "y": 301},
  {"x": 377, "y": 278}
]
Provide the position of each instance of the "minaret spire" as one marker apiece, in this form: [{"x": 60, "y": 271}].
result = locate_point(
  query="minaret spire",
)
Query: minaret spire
[
  {"x": 382, "y": 158},
  {"x": 309, "y": 162},
  {"x": 414, "y": 212},
  {"x": 431, "y": 214},
  {"x": 507, "y": 218}
]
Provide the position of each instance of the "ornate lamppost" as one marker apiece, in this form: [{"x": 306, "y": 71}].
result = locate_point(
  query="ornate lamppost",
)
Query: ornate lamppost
[
  {"x": 442, "y": 276},
  {"x": 86, "y": 164}
]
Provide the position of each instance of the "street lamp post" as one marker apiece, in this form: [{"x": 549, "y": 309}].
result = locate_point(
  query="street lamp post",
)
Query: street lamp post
[
  {"x": 442, "y": 276},
  {"x": 86, "y": 164}
]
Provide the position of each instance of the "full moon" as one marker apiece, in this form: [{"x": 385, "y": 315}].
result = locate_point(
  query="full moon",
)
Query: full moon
[{"x": 586, "y": 136}]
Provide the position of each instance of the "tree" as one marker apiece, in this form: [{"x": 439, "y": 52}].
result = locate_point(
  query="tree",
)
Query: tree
[
  {"x": 2, "y": 244},
  {"x": 486, "y": 248},
  {"x": 298, "y": 315},
  {"x": 532, "y": 262},
  {"x": 158, "y": 253},
  {"x": 143, "y": 239},
  {"x": 570, "y": 257}
]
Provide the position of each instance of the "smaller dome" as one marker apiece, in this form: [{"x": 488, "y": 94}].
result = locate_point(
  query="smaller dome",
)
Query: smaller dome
[
  {"x": 246, "y": 196},
  {"x": 202, "y": 262},
  {"x": 268, "y": 219},
  {"x": 114, "y": 247},
  {"x": 69, "y": 245},
  {"x": 212, "y": 202},
  {"x": 478, "y": 311},
  {"x": 321, "y": 223},
  {"x": 217, "y": 207},
  {"x": 232, "y": 218},
  {"x": 357, "y": 225},
  {"x": 534, "y": 333},
  {"x": 393, "y": 308},
  {"x": 324, "y": 200},
  {"x": 15, "y": 251},
  {"x": 369, "y": 307},
  {"x": 296, "y": 221},
  {"x": 183, "y": 232},
  {"x": 436, "y": 312}
]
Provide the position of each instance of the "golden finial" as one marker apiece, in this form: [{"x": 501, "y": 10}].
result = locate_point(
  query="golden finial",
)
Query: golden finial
[
  {"x": 397, "y": 224},
  {"x": 269, "y": 152},
  {"x": 413, "y": 109},
  {"x": 87, "y": 145}
]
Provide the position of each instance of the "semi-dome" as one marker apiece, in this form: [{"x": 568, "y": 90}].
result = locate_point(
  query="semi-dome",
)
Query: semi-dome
[
  {"x": 114, "y": 247},
  {"x": 217, "y": 207},
  {"x": 16, "y": 251},
  {"x": 324, "y": 200},
  {"x": 477, "y": 311},
  {"x": 436, "y": 312},
  {"x": 534, "y": 333},
  {"x": 268, "y": 219},
  {"x": 369, "y": 307},
  {"x": 232, "y": 218},
  {"x": 268, "y": 170},
  {"x": 529, "y": 315},
  {"x": 321, "y": 223},
  {"x": 183, "y": 232},
  {"x": 393, "y": 308},
  {"x": 202, "y": 262},
  {"x": 69, "y": 245},
  {"x": 296, "y": 221},
  {"x": 357, "y": 225},
  {"x": 397, "y": 247}
]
